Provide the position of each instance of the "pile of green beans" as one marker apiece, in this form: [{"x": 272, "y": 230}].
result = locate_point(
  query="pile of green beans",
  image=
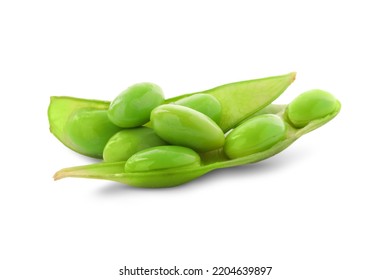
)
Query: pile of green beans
[{"x": 147, "y": 141}]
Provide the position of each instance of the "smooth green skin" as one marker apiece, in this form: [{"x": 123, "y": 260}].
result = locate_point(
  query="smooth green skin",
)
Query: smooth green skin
[
  {"x": 127, "y": 142},
  {"x": 238, "y": 100},
  {"x": 133, "y": 106},
  {"x": 162, "y": 157},
  {"x": 89, "y": 130},
  {"x": 309, "y": 106},
  {"x": 255, "y": 135},
  {"x": 204, "y": 103},
  {"x": 183, "y": 126}
]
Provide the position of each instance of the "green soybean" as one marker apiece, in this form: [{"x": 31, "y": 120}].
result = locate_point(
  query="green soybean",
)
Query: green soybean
[
  {"x": 204, "y": 103},
  {"x": 132, "y": 107},
  {"x": 162, "y": 157},
  {"x": 127, "y": 142},
  {"x": 179, "y": 125},
  {"x": 240, "y": 102},
  {"x": 89, "y": 130},
  {"x": 255, "y": 135},
  {"x": 311, "y": 105}
]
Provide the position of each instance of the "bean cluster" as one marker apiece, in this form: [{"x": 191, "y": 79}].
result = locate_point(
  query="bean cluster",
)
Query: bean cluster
[
  {"x": 148, "y": 141},
  {"x": 149, "y": 135}
]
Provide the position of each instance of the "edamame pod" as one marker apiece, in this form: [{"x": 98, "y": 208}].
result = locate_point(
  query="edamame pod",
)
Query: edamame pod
[
  {"x": 132, "y": 107},
  {"x": 311, "y": 105},
  {"x": 179, "y": 125},
  {"x": 89, "y": 130},
  {"x": 240, "y": 102},
  {"x": 210, "y": 161},
  {"x": 127, "y": 142},
  {"x": 204, "y": 103},
  {"x": 162, "y": 157},
  {"x": 255, "y": 135}
]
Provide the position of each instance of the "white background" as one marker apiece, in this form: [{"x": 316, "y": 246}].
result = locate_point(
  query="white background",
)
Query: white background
[{"x": 319, "y": 210}]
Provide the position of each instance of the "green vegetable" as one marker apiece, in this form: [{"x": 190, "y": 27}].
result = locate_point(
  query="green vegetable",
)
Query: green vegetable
[
  {"x": 204, "y": 103},
  {"x": 162, "y": 157},
  {"x": 238, "y": 101},
  {"x": 179, "y": 125},
  {"x": 132, "y": 107},
  {"x": 311, "y": 105},
  {"x": 127, "y": 142},
  {"x": 255, "y": 135},
  {"x": 171, "y": 175},
  {"x": 61, "y": 109},
  {"x": 210, "y": 161},
  {"x": 89, "y": 131},
  {"x": 260, "y": 130}
]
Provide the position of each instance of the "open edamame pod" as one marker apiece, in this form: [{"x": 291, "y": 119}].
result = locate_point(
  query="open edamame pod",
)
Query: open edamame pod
[
  {"x": 170, "y": 177},
  {"x": 238, "y": 101}
]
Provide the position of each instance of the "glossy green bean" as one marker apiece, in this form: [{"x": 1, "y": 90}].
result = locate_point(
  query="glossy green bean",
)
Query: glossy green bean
[
  {"x": 204, "y": 103},
  {"x": 162, "y": 157},
  {"x": 132, "y": 107},
  {"x": 311, "y": 105},
  {"x": 255, "y": 135},
  {"x": 179, "y": 125},
  {"x": 89, "y": 131},
  {"x": 127, "y": 142}
]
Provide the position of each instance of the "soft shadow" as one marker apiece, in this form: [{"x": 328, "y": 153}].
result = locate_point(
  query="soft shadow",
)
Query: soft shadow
[
  {"x": 87, "y": 159},
  {"x": 268, "y": 166},
  {"x": 271, "y": 165},
  {"x": 114, "y": 188}
]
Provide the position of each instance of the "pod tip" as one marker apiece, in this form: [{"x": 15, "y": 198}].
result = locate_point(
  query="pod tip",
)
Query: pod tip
[
  {"x": 293, "y": 75},
  {"x": 57, "y": 176}
]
